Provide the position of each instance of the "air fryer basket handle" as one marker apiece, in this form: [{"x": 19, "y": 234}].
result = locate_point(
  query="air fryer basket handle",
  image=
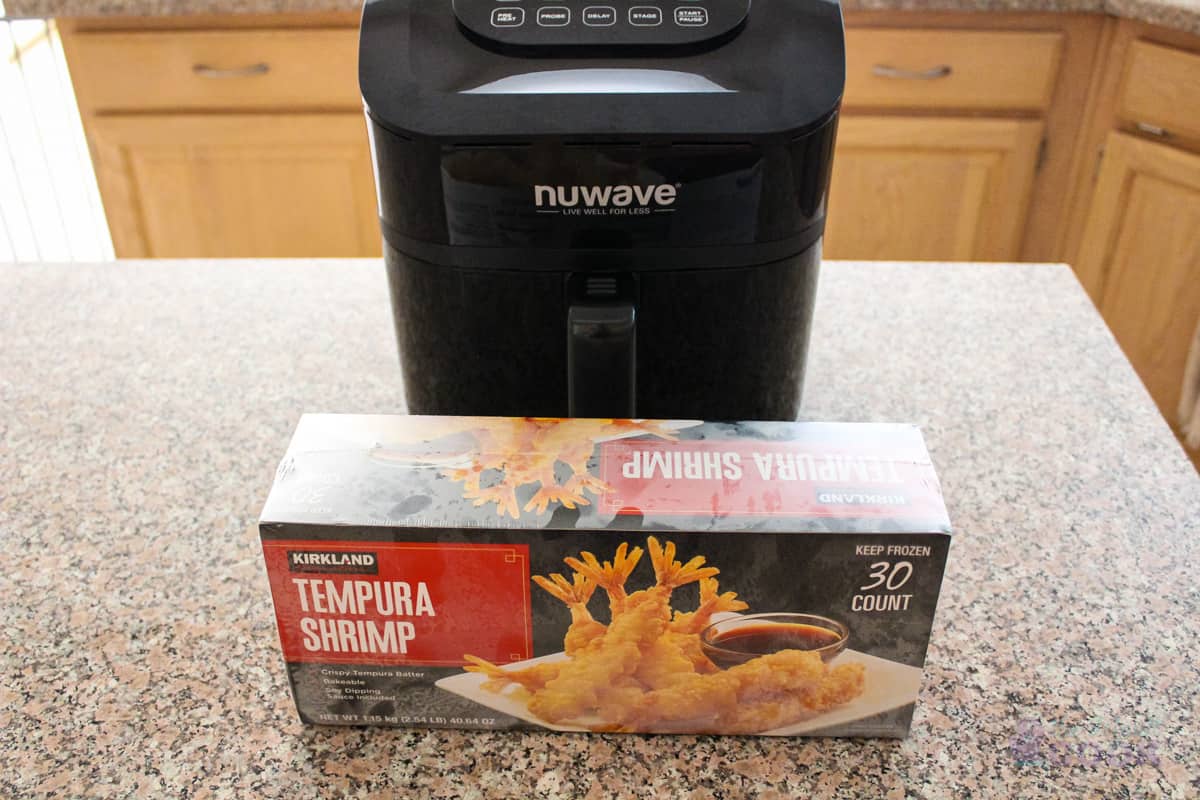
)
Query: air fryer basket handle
[{"x": 601, "y": 360}]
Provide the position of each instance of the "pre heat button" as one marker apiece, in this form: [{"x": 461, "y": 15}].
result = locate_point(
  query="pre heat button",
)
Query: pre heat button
[
  {"x": 691, "y": 16},
  {"x": 553, "y": 16},
  {"x": 508, "y": 17}
]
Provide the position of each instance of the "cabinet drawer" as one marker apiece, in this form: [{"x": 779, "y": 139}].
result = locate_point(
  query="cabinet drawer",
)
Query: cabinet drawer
[
  {"x": 227, "y": 69},
  {"x": 950, "y": 69},
  {"x": 1162, "y": 88}
]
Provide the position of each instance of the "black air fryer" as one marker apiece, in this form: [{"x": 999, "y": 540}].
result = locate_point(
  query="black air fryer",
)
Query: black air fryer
[{"x": 603, "y": 210}]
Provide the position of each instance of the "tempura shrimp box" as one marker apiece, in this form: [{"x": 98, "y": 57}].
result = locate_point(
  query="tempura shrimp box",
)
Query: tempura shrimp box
[{"x": 649, "y": 576}]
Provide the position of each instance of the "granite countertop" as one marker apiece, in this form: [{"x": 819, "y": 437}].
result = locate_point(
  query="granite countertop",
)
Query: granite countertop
[
  {"x": 146, "y": 406},
  {"x": 1180, "y": 14}
]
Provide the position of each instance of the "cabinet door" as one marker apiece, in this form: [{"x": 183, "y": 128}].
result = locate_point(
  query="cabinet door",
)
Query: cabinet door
[
  {"x": 233, "y": 185},
  {"x": 1140, "y": 258},
  {"x": 908, "y": 188}
]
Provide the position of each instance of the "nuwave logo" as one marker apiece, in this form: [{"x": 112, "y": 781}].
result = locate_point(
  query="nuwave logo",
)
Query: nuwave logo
[{"x": 621, "y": 196}]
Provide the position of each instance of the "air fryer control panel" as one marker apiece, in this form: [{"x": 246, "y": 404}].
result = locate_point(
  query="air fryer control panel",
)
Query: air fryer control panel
[{"x": 605, "y": 23}]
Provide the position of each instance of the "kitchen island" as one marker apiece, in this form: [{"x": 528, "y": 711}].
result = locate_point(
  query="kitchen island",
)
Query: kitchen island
[{"x": 146, "y": 405}]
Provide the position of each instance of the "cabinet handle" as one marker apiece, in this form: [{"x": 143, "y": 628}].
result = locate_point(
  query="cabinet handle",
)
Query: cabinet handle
[
  {"x": 931, "y": 74},
  {"x": 1153, "y": 130},
  {"x": 205, "y": 71}
]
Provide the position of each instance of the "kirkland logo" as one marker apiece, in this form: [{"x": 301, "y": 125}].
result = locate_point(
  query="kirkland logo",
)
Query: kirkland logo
[
  {"x": 339, "y": 562},
  {"x": 859, "y": 497},
  {"x": 623, "y": 196}
]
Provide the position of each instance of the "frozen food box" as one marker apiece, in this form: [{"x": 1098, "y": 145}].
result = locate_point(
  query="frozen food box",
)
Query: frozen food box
[{"x": 605, "y": 575}]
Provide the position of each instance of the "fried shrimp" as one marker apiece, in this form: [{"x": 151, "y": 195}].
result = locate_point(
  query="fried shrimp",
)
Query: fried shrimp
[
  {"x": 611, "y": 575},
  {"x": 584, "y": 628},
  {"x": 531, "y": 678},
  {"x": 587, "y": 680},
  {"x": 646, "y": 671},
  {"x": 683, "y": 632},
  {"x": 584, "y": 681},
  {"x": 711, "y": 602},
  {"x": 761, "y": 710}
]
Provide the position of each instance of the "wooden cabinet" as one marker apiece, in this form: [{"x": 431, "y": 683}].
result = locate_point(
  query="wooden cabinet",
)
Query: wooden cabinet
[
  {"x": 227, "y": 137},
  {"x": 186, "y": 185},
  {"x": 931, "y": 188},
  {"x": 1134, "y": 233},
  {"x": 952, "y": 135},
  {"x": 1141, "y": 252}
]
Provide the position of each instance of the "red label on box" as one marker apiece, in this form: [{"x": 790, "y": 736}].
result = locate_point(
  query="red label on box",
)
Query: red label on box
[
  {"x": 388, "y": 603},
  {"x": 718, "y": 478}
]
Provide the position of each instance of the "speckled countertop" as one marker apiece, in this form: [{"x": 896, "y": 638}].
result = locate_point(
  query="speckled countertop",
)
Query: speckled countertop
[
  {"x": 145, "y": 406},
  {"x": 1180, "y": 14}
]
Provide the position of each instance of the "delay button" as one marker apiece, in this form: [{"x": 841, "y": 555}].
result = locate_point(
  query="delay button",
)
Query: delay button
[
  {"x": 553, "y": 16},
  {"x": 599, "y": 16},
  {"x": 645, "y": 16},
  {"x": 691, "y": 16}
]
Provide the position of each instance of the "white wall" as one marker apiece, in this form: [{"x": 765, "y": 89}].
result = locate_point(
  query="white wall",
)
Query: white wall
[{"x": 49, "y": 205}]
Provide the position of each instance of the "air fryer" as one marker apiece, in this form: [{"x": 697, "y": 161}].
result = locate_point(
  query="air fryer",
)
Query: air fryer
[{"x": 608, "y": 210}]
